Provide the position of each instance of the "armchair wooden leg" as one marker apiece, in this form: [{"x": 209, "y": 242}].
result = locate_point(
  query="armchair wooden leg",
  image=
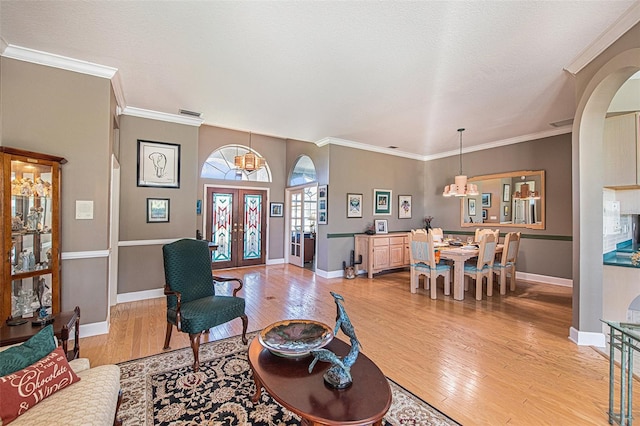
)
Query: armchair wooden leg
[
  {"x": 195, "y": 346},
  {"x": 167, "y": 336},
  {"x": 245, "y": 323}
]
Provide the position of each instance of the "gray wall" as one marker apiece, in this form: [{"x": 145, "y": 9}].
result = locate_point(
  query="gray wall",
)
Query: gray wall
[
  {"x": 550, "y": 257},
  {"x": 140, "y": 267},
  {"x": 356, "y": 171},
  {"x": 67, "y": 114}
]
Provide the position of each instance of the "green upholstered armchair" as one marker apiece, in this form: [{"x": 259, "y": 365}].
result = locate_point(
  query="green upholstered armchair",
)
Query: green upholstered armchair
[{"x": 192, "y": 303}]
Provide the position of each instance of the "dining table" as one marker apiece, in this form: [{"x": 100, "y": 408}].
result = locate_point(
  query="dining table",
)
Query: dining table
[{"x": 459, "y": 255}]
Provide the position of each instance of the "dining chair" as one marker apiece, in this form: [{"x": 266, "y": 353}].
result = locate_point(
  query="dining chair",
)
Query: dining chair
[
  {"x": 481, "y": 231},
  {"x": 438, "y": 234},
  {"x": 423, "y": 262},
  {"x": 483, "y": 266},
  {"x": 192, "y": 303},
  {"x": 507, "y": 264}
]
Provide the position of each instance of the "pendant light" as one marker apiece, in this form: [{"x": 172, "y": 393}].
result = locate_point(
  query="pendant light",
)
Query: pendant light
[
  {"x": 460, "y": 188},
  {"x": 249, "y": 161}
]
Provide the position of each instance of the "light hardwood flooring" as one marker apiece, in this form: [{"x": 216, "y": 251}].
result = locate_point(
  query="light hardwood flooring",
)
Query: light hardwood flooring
[{"x": 505, "y": 360}]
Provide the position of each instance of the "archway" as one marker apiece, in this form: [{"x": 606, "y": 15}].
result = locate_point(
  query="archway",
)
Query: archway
[{"x": 587, "y": 150}]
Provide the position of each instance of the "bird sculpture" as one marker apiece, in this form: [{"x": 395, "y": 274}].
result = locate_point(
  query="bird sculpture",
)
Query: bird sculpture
[{"x": 339, "y": 374}]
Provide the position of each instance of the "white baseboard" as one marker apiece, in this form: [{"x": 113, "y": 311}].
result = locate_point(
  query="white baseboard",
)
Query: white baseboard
[
  {"x": 587, "y": 338},
  {"x": 330, "y": 274},
  {"x": 140, "y": 295},
  {"x": 275, "y": 261},
  {"x": 93, "y": 329},
  {"x": 525, "y": 276}
]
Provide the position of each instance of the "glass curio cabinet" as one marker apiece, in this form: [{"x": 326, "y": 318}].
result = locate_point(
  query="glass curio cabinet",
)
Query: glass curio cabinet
[{"x": 30, "y": 211}]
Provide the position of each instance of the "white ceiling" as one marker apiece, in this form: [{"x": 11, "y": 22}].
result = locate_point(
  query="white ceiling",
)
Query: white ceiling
[{"x": 406, "y": 74}]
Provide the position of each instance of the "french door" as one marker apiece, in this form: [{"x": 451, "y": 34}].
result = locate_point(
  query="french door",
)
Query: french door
[
  {"x": 237, "y": 221},
  {"x": 302, "y": 222}
]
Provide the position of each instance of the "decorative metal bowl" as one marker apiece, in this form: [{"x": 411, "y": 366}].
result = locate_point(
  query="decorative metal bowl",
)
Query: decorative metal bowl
[{"x": 295, "y": 338}]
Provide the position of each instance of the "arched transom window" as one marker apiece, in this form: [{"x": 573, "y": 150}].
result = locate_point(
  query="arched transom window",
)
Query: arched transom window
[
  {"x": 304, "y": 171},
  {"x": 220, "y": 165}
]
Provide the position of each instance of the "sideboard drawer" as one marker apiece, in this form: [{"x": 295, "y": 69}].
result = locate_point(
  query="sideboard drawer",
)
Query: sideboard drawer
[{"x": 377, "y": 242}]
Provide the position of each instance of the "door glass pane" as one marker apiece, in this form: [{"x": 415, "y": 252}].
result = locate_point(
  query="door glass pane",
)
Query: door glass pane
[
  {"x": 310, "y": 200},
  {"x": 222, "y": 214},
  {"x": 296, "y": 222},
  {"x": 252, "y": 226}
]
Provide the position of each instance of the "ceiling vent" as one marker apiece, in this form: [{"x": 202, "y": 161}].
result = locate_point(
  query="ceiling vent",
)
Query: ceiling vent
[
  {"x": 562, "y": 123},
  {"x": 190, "y": 113}
]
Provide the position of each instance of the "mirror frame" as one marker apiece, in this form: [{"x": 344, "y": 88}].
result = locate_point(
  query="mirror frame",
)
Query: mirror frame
[{"x": 519, "y": 173}]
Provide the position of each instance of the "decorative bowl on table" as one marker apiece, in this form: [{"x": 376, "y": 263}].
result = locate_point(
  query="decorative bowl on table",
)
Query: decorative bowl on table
[{"x": 295, "y": 338}]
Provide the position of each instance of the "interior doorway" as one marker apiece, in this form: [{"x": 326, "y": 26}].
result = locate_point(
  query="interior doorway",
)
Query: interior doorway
[
  {"x": 236, "y": 223},
  {"x": 301, "y": 209}
]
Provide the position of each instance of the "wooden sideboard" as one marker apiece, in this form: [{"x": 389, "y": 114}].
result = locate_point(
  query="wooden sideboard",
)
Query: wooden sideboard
[{"x": 382, "y": 252}]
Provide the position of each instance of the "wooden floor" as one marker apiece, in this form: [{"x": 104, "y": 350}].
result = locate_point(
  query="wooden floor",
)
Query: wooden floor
[{"x": 506, "y": 360}]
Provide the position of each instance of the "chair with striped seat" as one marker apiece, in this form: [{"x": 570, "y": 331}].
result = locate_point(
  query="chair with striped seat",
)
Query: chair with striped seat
[
  {"x": 423, "y": 262},
  {"x": 482, "y": 268},
  {"x": 507, "y": 264}
]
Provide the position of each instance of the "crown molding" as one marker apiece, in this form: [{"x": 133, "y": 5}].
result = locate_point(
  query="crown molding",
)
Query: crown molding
[
  {"x": 161, "y": 116},
  {"x": 65, "y": 63},
  {"x": 518, "y": 139},
  {"x": 628, "y": 19},
  {"x": 58, "y": 61},
  {"x": 118, "y": 90},
  {"x": 366, "y": 147},
  {"x": 510, "y": 141}
]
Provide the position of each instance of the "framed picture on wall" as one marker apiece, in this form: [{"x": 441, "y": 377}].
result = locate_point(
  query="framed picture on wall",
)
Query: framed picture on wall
[
  {"x": 486, "y": 199},
  {"x": 323, "y": 208},
  {"x": 506, "y": 192},
  {"x": 354, "y": 205},
  {"x": 471, "y": 206},
  {"x": 158, "y": 164},
  {"x": 484, "y": 214},
  {"x": 276, "y": 210},
  {"x": 382, "y": 202},
  {"x": 404, "y": 206},
  {"x": 157, "y": 210}
]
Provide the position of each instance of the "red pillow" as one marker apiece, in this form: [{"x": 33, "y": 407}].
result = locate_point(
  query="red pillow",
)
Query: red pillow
[{"x": 25, "y": 388}]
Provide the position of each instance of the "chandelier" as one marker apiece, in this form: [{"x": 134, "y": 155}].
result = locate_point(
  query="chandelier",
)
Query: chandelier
[
  {"x": 249, "y": 161},
  {"x": 460, "y": 188}
]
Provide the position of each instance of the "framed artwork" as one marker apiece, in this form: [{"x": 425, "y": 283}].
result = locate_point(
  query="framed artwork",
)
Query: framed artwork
[
  {"x": 506, "y": 192},
  {"x": 354, "y": 205},
  {"x": 505, "y": 211},
  {"x": 157, "y": 210},
  {"x": 323, "y": 194},
  {"x": 486, "y": 199},
  {"x": 381, "y": 226},
  {"x": 199, "y": 207},
  {"x": 404, "y": 206},
  {"x": 382, "y": 202},
  {"x": 158, "y": 164},
  {"x": 276, "y": 209},
  {"x": 484, "y": 214},
  {"x": 322, "y": 218},
  {"x": 471, "y": 206}
]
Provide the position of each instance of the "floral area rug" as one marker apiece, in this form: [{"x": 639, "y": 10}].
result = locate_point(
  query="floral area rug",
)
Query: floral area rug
[{"x": 163, "y": 390}]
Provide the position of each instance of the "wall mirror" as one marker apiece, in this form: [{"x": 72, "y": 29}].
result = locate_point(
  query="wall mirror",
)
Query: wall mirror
[{"x": 512, "y": 199}]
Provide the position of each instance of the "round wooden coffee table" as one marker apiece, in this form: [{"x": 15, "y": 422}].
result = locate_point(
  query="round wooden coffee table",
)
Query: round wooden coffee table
[{"x": 288, "y": 381}]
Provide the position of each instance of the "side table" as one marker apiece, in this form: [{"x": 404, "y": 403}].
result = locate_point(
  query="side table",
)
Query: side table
[{"x": 62, "y": 325}]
